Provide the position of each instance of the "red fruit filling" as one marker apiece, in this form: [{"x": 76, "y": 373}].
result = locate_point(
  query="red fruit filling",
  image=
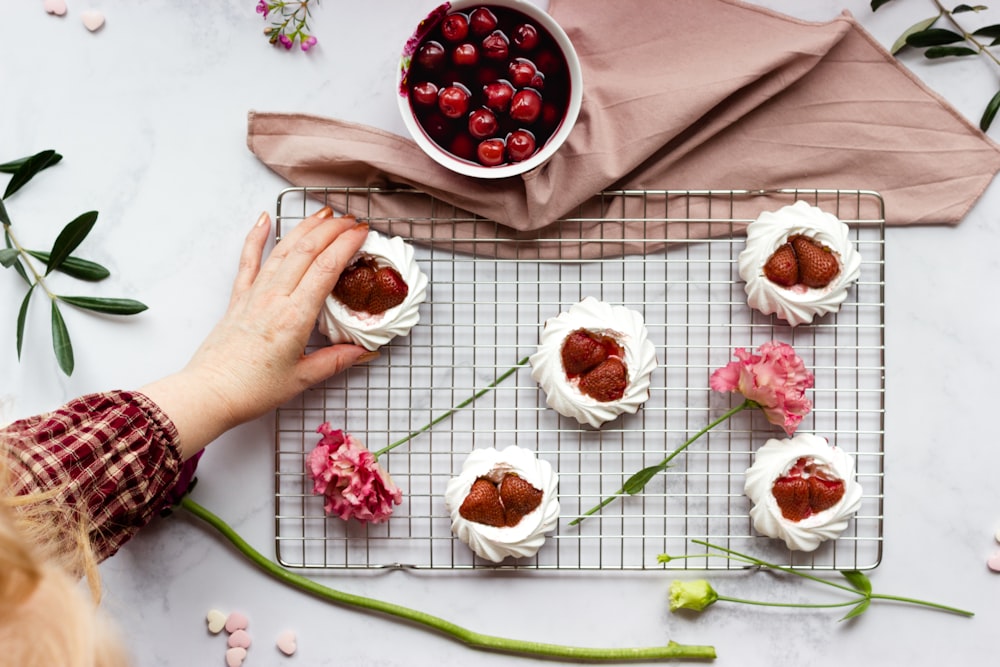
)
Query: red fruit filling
[
  {"x": 596, "y": 362},
  {"x": 500, "y": 505},
  {"x": 369, "y": 288},
  {"x": 802, "y": 261},
  {"x": 806, "y": 489},
  {"x": 495, "y": 55}
]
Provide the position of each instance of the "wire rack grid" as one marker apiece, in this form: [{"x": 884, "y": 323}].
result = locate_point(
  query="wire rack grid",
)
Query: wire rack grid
[{"x": 484, "y": 313}]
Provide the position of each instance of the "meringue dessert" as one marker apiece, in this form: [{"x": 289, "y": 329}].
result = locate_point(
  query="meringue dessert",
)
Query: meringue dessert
[
  {"x": 594, "y": 362},
  {"x": 378, "y": 295},
  {"x": 503, "y": 502},
  {"x": 798, "y": 263},
  {"x": 803, "y": 490}
]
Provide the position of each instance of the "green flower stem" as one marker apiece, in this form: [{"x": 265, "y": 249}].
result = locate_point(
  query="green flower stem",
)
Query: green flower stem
[
  {"x": 638, "y": 481},
  {"x": 864, "y": 596},
  {"x": 440, "y": 418},
  {"x": 671, "y": 651}
]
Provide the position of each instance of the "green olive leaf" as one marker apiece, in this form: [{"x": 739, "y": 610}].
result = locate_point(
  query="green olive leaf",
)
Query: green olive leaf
[
  {"x": 859, "y": 609},
  {"x": 75, "y": 267},
  {"x": 60, "y": 340},
  {"x": 919, "y": 26},
  {"x": 933, "y": 37},
  {"x": 14, "y": 165},
  {"x": 69, "y": 238},
  {"x": 28, "y": 168},
  {"x": 878, "y": 3},
  {"x": 990, "y": 113},
  {"x": 22, "y": 314},
  {"x": 991, "y": 31},
  {"x": 961, "y": 9},
  {"x": 935, "y": 52},
  {"x": 4, "y": 218},
  {"x": 105, "y": 305},
  {"x": 859, "y": 580},
  {"x": 7, "y": 257}
]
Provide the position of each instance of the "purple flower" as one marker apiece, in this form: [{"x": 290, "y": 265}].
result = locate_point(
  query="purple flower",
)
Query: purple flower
[
  {"x": 285, "y": 41},
  {"x": 262, "y": 8},
  {"x": 308, "y": 43}
]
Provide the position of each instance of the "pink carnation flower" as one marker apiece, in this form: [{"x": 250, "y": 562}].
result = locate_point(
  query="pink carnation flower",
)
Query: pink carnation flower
[
  {"x": 775, "y": 379},
  {"x": 350, "y": 478}
]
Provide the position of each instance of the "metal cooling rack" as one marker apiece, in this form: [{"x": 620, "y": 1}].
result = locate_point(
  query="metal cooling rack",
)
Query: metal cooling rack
[{"x": 483, "y": 314}]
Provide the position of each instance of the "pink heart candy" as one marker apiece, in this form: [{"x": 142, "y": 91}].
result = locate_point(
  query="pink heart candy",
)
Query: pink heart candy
[
  {"x": 57, "y": 7},
  {"x": 235, "y": 656},
  {"x": 994, "y": 562},
  {"x": 92, "y": 19},
  {"x": 239, "y": 639},
  {"x": 236, "y": 621},
  {"x": 287, "y": 642}
]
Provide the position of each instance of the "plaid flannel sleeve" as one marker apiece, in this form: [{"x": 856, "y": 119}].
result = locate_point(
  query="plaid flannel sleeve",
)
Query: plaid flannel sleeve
[{"x": 114, "y": 455}]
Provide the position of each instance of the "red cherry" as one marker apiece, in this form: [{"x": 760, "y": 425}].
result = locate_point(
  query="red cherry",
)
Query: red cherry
[
  {"x": 482, "y": 21},
  {"x": 430, "y": 56},
  {"x": 538, "y": 81},
  {"x": 525, "y": 106},
  {"x": 465, "y": 55},
  {"x": 520, "y": 145},
  {"x": 453, "y": 101},
  {"x": 425, "y": 93},
  {"x": 548, "y": 62},
  {"x": 496, "y": 46},
  {"x": 482, "y": 123},
  {"x": 551, "y": 115},
  {"x": 497, "y": 95},
  {"x": 525, "y": 36},
  {"x": 455, "y": 27},
  {"x": 463, "y": 146},
  {"x": 521, "y": 71},
  {"x": 490, "y": 152},
  {"x": 436, "y": 125}
]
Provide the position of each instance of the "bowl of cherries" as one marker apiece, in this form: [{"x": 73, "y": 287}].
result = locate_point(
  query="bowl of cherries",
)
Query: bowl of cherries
[{"x": 489, "y": 90}]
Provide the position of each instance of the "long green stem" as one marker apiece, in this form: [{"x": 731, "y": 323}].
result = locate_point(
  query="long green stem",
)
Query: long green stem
[
  {"x": 969, "y": 37},
  {"x": 863, "y": 595},
  {"x": 638, "y": 481},
  {"x": 671, "y": 651},
  {"x": 445, "y": 415},
  {"x": 26, "y": 259}
]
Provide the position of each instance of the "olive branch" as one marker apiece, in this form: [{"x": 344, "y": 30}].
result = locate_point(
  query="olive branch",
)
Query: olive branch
[
  {"x": 60, "y": 258},
  {"x": 957, "y": 42}
]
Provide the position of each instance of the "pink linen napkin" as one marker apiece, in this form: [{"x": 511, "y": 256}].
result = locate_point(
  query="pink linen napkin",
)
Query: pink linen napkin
[{"x": 687, "y": 94}]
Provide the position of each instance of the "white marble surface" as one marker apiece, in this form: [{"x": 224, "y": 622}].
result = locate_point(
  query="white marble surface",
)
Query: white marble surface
[{"x": 150, "y": 116}]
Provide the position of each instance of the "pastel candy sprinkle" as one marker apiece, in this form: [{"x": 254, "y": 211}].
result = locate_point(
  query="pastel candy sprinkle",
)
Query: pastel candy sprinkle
[
  {"x": 56, "y": 7},
  {"x": 994, "y": 562},
  {"x": 236, "y": 621},
  {"x": 216, "y": 621},
  {"x": 92, "y": 19},
  {"x": 287, "y": 642},
  {"x": 235, "y": 656},
  {"x": 239, "y": 639}
]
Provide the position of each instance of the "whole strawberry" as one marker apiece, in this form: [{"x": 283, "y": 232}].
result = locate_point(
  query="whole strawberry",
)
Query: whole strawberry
[{"x": 607, "y": 382}]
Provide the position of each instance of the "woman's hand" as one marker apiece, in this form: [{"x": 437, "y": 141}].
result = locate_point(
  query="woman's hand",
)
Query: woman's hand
[{"x": 254, "y": 359}]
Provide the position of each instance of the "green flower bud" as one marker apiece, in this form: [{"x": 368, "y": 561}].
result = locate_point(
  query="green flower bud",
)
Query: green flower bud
[{"x": 695, "y": 595}]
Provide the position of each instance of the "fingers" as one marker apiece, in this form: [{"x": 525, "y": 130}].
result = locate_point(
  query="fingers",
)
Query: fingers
[
  {"x": 322, "y": 274},
  {"x": 250, "y": 256},
  {"x": 287, "y": 271},
  {"x": 331, "y": 360}
]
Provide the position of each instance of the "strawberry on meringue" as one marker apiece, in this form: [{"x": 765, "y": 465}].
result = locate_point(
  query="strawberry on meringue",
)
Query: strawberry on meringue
[
  {"x": 798, "y": 263},
  {"x": 503, "y": 502},
  {"x": 594, "y": 362},
  {"x": 803, "y": 490},
  {"x": 377, "y": 297}
]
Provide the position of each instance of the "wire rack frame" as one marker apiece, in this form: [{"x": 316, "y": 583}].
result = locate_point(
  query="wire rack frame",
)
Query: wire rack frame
[{"x": 485, "y": 312}]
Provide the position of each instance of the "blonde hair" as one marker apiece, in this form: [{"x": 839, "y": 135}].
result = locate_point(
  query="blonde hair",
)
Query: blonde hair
[{"x": 45, "y": 617}]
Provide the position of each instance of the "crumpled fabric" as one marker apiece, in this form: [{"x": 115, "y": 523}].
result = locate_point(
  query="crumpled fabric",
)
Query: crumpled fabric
[{"x": 680, "y": 95}]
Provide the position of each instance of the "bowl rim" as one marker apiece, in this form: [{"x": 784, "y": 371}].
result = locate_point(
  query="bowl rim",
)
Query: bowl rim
[{"x": 440, "y": 155}]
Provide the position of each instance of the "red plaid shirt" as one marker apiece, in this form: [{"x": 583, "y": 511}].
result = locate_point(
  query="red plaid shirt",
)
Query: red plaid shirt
[{"x": 114, "y": 455}]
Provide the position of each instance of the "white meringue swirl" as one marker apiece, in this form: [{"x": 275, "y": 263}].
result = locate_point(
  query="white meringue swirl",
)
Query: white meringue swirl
[
  {"x": 797, "y": 304},
  {"x": 563, "y": 395},
  {"x": 773, "y": 461},
  {"x": 527, "y": 537},
  {"x": 343, "y": 325}
]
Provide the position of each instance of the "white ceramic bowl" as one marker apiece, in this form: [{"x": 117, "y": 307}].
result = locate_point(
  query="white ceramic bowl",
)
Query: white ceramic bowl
[{"x": 470, "y": 167}]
